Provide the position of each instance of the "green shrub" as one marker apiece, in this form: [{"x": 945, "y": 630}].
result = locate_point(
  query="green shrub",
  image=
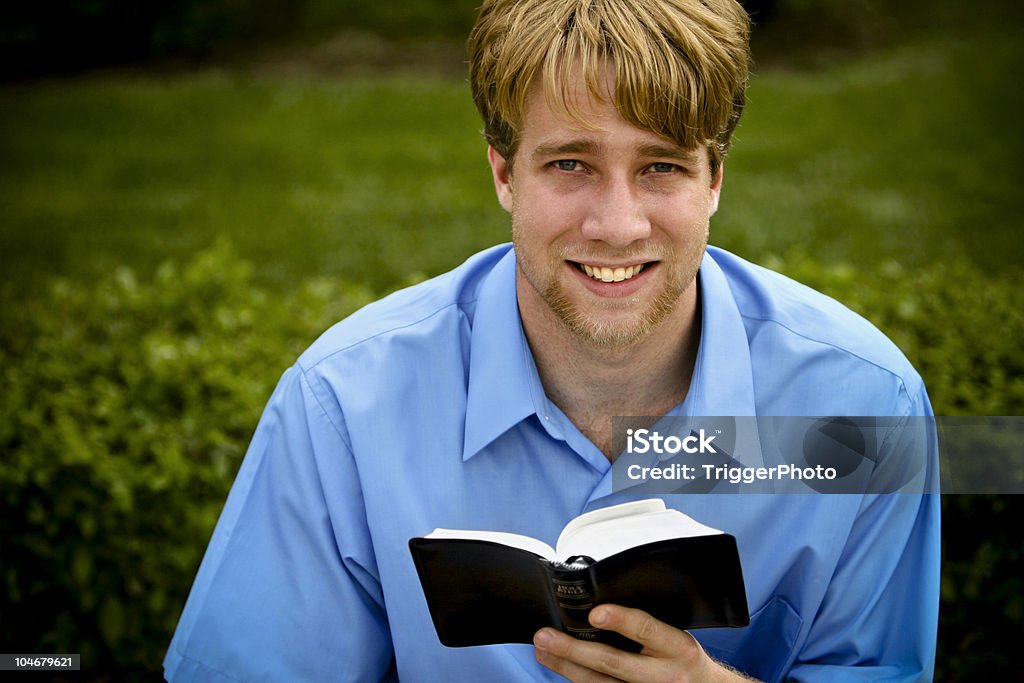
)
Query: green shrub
[
  {"x": 125, "y": 412},
  {"x": 127, "y": 407}
]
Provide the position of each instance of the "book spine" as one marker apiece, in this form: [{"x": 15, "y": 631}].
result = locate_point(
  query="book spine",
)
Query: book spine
[{"x": 573, "y": 592}]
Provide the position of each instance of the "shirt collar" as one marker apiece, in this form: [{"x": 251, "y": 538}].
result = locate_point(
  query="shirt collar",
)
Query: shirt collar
[
  {"x": 723, "y": 377},
  {"x": 504, "y": 385},
  {"x": 505, "y": 388}
]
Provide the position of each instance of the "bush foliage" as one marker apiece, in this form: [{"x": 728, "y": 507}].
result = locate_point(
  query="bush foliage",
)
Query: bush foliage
[
  {"x": 128, "y": 406},
  {"x": 126, "y": 411}
]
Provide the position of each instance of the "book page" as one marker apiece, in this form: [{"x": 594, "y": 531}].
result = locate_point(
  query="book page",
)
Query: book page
[
  {"x": 520, "y": 541},
  {"x": 636, "y": 507},
  {"x": 604, "y": 536}
]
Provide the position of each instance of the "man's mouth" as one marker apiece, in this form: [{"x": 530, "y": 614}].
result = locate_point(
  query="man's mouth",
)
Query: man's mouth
[{"x": 611, "y": 274}]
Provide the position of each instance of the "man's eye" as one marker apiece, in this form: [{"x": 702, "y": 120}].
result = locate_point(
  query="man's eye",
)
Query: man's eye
[
  {"x": 567, "y": 165},
  {"x": 664, "y": 167}
]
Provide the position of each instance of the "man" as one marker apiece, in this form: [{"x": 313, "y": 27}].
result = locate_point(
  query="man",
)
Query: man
[{"x": 483, "y": 398}]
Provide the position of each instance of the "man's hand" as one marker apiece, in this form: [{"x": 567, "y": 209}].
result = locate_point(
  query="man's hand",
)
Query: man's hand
[{"x": 668, "y": 654}]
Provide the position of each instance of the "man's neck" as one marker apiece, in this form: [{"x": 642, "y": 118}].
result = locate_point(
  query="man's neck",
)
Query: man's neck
[{"x": 592, "y": 383}]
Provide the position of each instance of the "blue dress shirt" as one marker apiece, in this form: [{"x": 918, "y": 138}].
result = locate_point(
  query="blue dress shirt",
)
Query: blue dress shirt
[{"x": 425, "y": 410}]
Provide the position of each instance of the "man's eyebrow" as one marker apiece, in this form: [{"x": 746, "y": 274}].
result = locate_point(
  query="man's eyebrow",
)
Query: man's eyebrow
[
  {"x": 688, "y": 156},
  {"x": 571, "y": 147},
  {"x": 657, "y": 150}
]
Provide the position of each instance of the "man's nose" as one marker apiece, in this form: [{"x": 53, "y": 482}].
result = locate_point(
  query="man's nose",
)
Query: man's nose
[{"x": 616, "y": 214}]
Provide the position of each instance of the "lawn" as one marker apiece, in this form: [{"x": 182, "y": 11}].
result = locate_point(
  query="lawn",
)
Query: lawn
[
  {"x": 367, "y": 180},
  {"x": 908, "y": 154}
]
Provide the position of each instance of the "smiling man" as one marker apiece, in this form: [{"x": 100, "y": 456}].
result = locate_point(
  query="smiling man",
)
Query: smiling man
[
  {"x": 483, "y": 398},
  {"x": 609, "y": 223}
]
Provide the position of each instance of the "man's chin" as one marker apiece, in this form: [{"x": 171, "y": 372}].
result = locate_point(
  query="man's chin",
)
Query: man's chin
[
  {"x": 614, "y": 338},
  {"x": 613, "y": 333},
  {"x": 614, "y": 323}
]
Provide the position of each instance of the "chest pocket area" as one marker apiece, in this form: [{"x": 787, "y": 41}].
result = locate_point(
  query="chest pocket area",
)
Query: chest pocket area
[{"x": 763, "y": 649}]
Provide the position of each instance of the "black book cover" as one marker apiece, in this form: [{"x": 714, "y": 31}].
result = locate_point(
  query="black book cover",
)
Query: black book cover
[{"x": 482, "y": 592}]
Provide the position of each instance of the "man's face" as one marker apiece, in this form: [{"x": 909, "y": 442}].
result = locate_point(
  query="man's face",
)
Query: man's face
[{"x": 609, "y": 225}]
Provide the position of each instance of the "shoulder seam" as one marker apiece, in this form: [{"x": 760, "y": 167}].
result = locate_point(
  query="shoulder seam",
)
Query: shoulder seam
[
  {"x": 389, "y": 330},
  {"x": 900, "y": 377},
  {"x": 342, "y": 434}
]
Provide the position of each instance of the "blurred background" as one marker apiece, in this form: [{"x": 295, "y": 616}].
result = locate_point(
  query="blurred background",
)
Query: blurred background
[{"x": 192, "y": 190}]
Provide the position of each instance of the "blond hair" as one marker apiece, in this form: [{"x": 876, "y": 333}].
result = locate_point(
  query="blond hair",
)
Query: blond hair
[{"x": 680, "y": 66}]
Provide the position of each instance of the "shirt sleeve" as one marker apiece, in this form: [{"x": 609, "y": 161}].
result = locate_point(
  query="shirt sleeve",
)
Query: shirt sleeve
[
  {"x": 879, "y": 618},
  {"x": 286, "y": 591}
]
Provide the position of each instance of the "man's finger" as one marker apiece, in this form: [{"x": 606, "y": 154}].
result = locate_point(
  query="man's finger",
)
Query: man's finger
[
  {"x": 581, "y": 661},
  {"x": 656, "y": 637}
]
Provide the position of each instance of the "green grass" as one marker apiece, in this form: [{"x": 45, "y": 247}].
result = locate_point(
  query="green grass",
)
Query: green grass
[
  {"x": 364, "y": 180},
  {"x": 912, "y": 154},
  {"x": 908, "y": 154}
]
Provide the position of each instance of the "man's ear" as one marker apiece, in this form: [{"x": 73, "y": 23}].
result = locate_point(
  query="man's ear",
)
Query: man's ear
[
  {"x": 502, "y": 178},
  {"x": 716, "y": 188}
]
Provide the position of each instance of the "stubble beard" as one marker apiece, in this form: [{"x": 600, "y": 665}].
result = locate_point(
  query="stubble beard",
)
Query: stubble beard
[{"x": 681, "y": 273}]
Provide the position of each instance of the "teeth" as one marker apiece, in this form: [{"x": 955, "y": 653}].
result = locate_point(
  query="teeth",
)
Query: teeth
[{"x": 612, "y": 274}]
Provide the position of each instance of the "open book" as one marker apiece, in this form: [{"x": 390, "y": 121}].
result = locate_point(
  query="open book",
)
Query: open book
[{"x": 486, "y": 587}]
